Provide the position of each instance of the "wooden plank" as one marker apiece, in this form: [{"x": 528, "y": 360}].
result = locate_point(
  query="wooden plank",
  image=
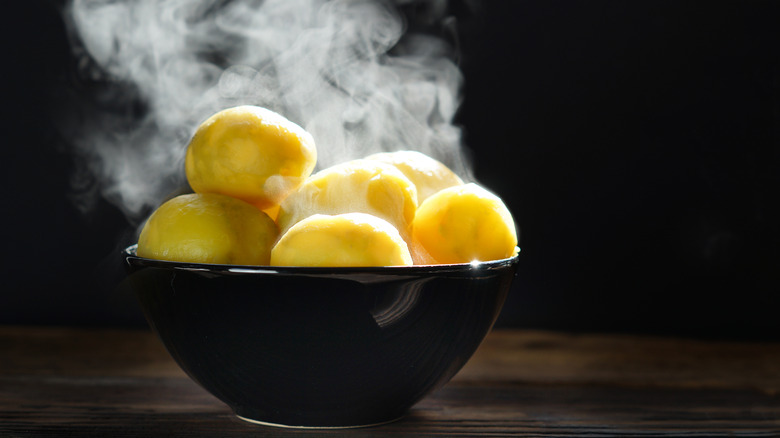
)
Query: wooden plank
[
  {"x": 136, "y": 406},
  {"x": 121, "y": 383},
  {"x": 551, "y": 357}
]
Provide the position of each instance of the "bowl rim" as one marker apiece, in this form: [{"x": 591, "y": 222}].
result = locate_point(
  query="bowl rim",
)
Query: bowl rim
[{"x": 134, "y": 260}]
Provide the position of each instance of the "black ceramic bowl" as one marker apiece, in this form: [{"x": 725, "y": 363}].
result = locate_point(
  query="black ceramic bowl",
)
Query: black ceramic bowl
[{"x": 320, "y": 347}]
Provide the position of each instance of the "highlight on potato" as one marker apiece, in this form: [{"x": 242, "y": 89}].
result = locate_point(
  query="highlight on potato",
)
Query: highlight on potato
[{"x": 256, "y": 202}]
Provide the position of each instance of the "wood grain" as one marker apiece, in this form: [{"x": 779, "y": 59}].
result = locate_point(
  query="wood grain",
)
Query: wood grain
[{"x": 121, "y": 383}]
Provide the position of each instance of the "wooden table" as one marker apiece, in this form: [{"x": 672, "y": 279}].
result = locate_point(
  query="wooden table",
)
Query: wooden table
[{"x": 122, "y": 383}]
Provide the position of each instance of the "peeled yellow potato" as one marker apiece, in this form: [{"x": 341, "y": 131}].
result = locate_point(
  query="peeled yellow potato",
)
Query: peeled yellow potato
[
  {"x": 350, "y": 239},
  {"x": 465, "y": 223},
  {"x": 250, "y": 153},
  {"x": 357, "y": 186},
  {"x": 427, "y": 174},
  {"x": 208, "y": 228}
]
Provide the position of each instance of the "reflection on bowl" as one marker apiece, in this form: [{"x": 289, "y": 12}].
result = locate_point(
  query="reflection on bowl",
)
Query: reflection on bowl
[{"x": 320, "y": 347}]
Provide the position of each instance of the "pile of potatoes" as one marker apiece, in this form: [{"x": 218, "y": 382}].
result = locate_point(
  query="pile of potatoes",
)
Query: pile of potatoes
[{"x": 256, "y": 202}]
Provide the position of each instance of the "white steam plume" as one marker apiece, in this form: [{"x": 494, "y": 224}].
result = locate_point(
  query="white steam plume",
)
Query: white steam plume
[{"x": 340, "y": 69}]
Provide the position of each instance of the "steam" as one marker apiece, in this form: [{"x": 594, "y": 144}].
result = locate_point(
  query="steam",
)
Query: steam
[{"x": 343, "y": 69}]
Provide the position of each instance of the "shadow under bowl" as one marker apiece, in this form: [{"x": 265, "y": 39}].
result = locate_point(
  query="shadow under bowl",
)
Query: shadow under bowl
[{"x": 320, "y": 347}]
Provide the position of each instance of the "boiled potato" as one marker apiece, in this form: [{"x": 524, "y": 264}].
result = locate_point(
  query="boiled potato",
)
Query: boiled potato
[
  {"x": 350, "y": 239},
  {"x": 208, "y": 228},
  {"x": 357, "y": 186},
  {"x": 250, "y": 153},
  {"x": 464, "y": 224}
]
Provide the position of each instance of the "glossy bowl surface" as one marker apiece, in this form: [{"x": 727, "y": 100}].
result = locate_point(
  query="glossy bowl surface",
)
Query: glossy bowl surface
[{"x": 320, "y": 347}]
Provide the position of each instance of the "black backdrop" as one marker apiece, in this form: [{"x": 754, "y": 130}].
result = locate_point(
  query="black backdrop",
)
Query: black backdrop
[{"x": 635, "y": 142}]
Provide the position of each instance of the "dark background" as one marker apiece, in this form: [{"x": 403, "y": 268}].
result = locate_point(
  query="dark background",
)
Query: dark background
[{"x": 636, "y": 143}]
